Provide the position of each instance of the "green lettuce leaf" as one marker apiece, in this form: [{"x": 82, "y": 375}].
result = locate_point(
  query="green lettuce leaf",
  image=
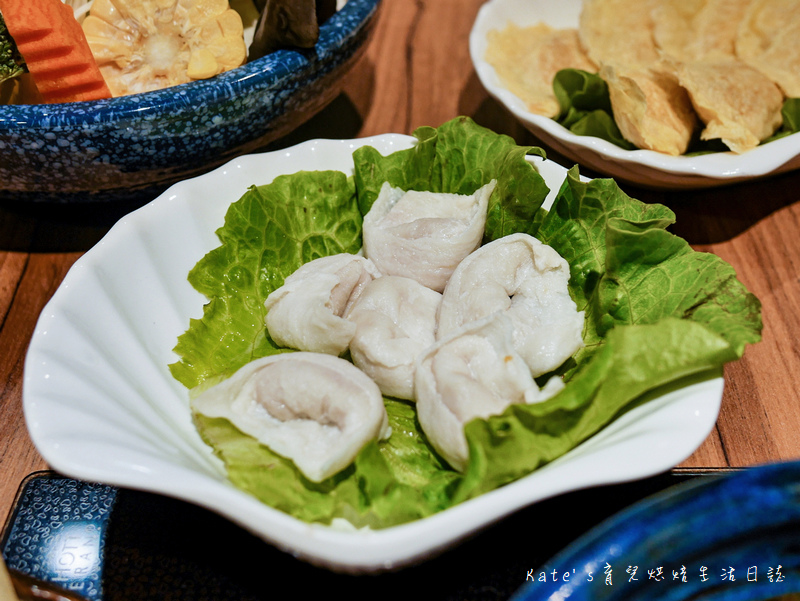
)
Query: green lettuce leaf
[
  {"x": 270, "y": 232},
  {"x": 586, "y": 106},
  {"x": 656, "y": 312},
  {"x": 791, "y": 119},
  {"x": 390, "y": 482}
]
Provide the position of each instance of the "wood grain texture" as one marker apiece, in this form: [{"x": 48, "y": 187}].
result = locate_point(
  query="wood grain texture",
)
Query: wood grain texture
[
  {"x": 417, "y": 72},
  {"x": 34, "y": 282}
]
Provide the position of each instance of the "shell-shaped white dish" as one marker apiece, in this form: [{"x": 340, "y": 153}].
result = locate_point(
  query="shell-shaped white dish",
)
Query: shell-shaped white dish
[
  {"x": 101, "y": 405},
  {"x": 642, "y": 167}
]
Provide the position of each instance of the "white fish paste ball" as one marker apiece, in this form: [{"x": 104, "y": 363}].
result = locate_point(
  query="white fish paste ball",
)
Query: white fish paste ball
[
  {"x": 527, "y": 280},
  {"x": 424, "y": 235},
  {"x": 473, "y": 373},
  {"x": 314, "y": 409},
  {"x": 395, "y": 321},
  {"x": 307, "y": 312}
]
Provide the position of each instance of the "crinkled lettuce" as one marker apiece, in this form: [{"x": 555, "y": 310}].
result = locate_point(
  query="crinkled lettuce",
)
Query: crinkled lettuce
[
  {"x": 268, "y": 233},
  {"x": 656, "y": 312},
  {"x": 585, "y": 106}
]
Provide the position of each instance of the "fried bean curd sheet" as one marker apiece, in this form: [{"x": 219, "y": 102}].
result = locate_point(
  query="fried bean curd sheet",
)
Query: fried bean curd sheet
[
  {"x": 689, "y": 30},
  {"x": 618, "y": 32},
  {"x": 737, "y": 103},
  {"x": 527, "y": 59},
  {"x": 768, "y": 39},
  {"x": 650, "y": 107}
]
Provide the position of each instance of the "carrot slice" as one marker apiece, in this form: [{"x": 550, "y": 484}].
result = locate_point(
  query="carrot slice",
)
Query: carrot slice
[{"x": 55, "y": 50}]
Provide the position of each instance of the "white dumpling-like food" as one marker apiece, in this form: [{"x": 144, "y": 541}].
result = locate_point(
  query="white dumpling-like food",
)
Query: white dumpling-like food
[
  {"x": 473, "y": 373},
  {"x": 314, "y": 409},
  {"x": 307, "y": 312},
  {"x": 527, "y": 280},
  {"x": 395, "y": 321},
  {"x": 424, "y": 235}
]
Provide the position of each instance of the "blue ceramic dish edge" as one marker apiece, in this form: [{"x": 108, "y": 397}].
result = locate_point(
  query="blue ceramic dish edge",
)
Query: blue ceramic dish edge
[
  {"x": 264, "y": 71},
  {"x": 748, "y": 520}
]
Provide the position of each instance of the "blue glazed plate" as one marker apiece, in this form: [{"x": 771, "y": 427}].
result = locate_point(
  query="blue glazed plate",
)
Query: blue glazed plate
[
  {"x": 732, "y": 537},
  {"x": 126, "y": 147}
]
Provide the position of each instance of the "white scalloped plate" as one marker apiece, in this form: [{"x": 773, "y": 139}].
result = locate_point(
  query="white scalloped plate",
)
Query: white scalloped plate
[
  {"x": 101, "y": 405},
  {"x": 643, "y": 167}
]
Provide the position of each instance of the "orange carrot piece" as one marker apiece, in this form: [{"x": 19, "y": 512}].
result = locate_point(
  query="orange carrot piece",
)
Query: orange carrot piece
[{"x": 55, "y": 50}]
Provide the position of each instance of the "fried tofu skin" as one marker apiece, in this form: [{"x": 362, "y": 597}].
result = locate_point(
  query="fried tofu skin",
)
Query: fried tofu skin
[
  {"x": 619, "y": 32},
  {"x": 737, "y": 103},
  {"x": 651, "y": 109},
  {"x": 768, "y": 39},
  {"x": 689, "y": 30},
  {"x": 527, "y": 59}
]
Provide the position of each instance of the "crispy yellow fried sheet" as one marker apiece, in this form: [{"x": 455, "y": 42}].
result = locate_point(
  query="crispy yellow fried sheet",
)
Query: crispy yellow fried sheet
[
  {"x": 526, "y": 59},
  {"x": 689, "y": 30},
  {"x": 768, "y": 39},
  {"x": 618, "y": 32},
  {"x": 650, "y": 108},
  {"x": 737, "y": 103}
]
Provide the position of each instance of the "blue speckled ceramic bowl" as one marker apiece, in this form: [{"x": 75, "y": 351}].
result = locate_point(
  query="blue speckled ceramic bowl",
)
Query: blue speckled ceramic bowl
[
  {"x": 728, "y": 538},
  {"x": 121, "y": 148}
]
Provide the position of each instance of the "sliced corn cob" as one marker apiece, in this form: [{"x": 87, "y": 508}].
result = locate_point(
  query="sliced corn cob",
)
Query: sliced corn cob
[{"x": 143, "y": 45}]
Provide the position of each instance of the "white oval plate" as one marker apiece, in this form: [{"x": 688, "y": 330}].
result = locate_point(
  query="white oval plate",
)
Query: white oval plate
[
  {"x": 101, "y": 404},
  {"x": 643, "y": 167}
]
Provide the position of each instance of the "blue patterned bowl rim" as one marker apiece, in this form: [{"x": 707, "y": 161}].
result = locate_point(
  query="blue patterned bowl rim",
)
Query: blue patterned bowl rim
[
  {"x": 746, "y": 518},
  {"x": 265, "y": 72}
]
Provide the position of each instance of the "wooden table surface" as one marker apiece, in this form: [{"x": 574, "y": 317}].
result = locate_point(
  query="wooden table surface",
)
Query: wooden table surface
[{"x": 417, "y": 71}]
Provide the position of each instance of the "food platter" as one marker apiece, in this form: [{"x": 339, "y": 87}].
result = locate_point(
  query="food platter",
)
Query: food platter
[
  {"x": 101, "y": 405},
  {"x": 641, "y": 167}
]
